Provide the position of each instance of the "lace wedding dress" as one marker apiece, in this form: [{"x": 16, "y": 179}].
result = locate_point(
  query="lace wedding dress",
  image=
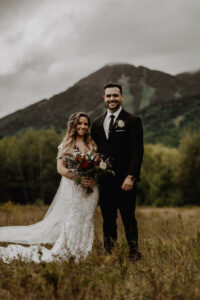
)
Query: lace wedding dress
[{"x": 68, "y": 225}]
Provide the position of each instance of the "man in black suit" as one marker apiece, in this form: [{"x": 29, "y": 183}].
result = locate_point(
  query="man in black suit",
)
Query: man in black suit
[{"x": 119, "y": 137}]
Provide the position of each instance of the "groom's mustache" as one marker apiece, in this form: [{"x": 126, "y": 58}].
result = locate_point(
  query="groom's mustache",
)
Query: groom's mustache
[{"x": 112, "y": 101}]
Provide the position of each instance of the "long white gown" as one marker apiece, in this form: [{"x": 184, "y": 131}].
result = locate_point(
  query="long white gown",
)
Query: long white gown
[{"x": 68, "y": 225}]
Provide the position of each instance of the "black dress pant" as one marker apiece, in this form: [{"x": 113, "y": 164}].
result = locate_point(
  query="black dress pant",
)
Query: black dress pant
[{"x": 112, "y": 198}]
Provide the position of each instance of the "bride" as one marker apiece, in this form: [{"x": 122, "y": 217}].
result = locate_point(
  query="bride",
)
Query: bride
[{"x": 69, "y": 221}]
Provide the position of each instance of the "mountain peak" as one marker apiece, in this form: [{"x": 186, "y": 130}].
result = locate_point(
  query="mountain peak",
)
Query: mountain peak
[{"x": 142, "y": 88}]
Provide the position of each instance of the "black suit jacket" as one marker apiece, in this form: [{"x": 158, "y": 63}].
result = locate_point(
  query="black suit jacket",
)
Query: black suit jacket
[{"x": 125, "y": 144}]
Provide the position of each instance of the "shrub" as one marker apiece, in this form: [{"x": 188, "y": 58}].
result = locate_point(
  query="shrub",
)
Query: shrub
[{"x": 158, "y": 176}]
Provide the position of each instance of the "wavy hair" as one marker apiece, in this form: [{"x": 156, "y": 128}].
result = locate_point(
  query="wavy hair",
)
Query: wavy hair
[{"x": 69, "y": 139}]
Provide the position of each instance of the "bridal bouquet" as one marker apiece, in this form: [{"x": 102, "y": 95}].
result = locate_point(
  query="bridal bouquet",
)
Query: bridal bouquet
[{"x": 90, "y": 165}]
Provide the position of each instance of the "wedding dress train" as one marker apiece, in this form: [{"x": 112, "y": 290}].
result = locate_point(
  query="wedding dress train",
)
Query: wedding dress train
[{"x": 68, "y": 224}]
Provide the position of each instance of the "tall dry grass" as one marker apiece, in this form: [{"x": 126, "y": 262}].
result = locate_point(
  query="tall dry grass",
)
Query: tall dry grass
[{"x": 169, "y": 269}]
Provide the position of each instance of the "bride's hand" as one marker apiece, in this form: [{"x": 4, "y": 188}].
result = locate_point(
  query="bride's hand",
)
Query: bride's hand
[
  {"x": 88, "y": 182},
  {"x": 97, "y": 157}
]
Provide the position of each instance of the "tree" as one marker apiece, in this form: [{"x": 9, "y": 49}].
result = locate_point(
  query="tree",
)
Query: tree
[
  {"x": 189, "y": 168},
  {"x": 28, "y": 166}
]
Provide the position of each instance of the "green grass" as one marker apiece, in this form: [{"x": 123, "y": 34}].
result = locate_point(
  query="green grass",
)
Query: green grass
[{"x": 170, "y": 268}]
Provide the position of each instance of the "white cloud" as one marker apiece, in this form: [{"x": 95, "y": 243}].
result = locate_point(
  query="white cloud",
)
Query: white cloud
[{"x": 47, "y": 45}]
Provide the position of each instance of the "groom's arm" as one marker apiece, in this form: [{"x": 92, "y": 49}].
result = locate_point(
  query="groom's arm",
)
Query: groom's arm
[
  {"x": 137, "y": 150},
  {"x": 137, "y": 147}
]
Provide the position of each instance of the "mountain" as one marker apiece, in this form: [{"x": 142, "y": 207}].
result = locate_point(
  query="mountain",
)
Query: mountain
[
  {"x": 167, "y": 122},
  {"x": 192, "y": 78},
  {"x": 162, "y": 100}
]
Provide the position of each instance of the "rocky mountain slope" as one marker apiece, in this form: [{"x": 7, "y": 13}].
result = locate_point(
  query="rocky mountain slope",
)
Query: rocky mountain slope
[{"x": 167, "y": 104}]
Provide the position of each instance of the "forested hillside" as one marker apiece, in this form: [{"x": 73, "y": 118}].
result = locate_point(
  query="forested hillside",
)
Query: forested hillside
[{"x": 169, "y": 105}]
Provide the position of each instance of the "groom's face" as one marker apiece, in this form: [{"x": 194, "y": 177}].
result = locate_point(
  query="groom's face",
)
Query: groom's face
[{"x": 113, "y": 98}]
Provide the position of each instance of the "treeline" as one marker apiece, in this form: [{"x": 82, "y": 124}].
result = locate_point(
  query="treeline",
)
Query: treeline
[
  {"x": 169, "y": 177},
  {"x": 28, "y": 166}
]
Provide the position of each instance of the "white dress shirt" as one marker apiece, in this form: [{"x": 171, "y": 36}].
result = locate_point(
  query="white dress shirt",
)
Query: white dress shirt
[{"x": 107, "y": 119}]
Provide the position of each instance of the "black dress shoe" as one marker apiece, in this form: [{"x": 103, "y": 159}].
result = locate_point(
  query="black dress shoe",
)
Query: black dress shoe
[{"x": 136, "y": 256}]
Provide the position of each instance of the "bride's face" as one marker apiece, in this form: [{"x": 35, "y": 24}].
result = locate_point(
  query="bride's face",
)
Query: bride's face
[{"x": 82, "y": 126}]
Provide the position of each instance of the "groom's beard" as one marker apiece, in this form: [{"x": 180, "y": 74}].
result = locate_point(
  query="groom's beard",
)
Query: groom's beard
[{"x": 115, "y": 108}]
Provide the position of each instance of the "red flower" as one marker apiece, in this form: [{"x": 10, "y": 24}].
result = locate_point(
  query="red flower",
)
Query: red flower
[
  {"x": 77, "y": 157},
  {"x": 84, "y": 164}
]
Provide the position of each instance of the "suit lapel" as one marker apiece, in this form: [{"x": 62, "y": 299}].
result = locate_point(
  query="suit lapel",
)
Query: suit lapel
[
  {"x": 102, "y": 118},
  {"x": 101, "y": 125}
]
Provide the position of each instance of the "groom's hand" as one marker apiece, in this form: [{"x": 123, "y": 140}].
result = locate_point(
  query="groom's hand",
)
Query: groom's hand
[{"x": 128, "y": 183}]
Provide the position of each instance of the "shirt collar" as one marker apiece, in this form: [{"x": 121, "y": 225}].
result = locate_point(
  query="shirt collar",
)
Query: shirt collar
[{"x": 116, "y": 114}]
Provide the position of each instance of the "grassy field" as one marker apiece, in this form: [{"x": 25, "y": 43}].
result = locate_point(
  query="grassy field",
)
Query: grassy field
[{"x": 170, "y": 268}]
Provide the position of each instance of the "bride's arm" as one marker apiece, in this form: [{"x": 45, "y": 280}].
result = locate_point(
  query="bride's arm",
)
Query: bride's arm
[{"x": 62, "y": 169}]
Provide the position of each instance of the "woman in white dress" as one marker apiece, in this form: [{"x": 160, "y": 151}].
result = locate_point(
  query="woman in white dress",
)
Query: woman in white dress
[{"x": 69, "y": 221}]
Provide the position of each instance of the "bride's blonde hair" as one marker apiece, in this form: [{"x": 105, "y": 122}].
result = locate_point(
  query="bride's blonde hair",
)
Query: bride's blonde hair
[{"x": 69, "y": 139}]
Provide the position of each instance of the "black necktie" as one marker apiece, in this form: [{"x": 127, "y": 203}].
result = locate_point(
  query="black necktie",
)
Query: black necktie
[{"x": 111, "y": 124}]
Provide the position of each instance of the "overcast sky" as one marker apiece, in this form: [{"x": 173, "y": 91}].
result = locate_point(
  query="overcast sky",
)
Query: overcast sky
[{"x": 47, "y": 45}]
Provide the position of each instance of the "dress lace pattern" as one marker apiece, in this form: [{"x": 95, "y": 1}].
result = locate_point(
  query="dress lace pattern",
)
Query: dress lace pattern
[{"x": 68, "y": 225}]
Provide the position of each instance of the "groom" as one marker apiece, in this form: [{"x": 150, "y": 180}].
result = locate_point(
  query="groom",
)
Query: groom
[{"x": 119, "y": 137}]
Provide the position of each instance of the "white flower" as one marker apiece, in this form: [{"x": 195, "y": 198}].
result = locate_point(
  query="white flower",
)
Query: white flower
[
  {"x": 120, "y": 123},
  {"x": 102, "y": 165}
]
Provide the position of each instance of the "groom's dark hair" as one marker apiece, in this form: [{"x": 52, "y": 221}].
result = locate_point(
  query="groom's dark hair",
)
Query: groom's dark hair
[{"x": 113, "y": 84}]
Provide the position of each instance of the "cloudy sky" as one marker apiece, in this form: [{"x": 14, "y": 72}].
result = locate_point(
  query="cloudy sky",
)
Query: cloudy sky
[{"x": 47, "y": 45}]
